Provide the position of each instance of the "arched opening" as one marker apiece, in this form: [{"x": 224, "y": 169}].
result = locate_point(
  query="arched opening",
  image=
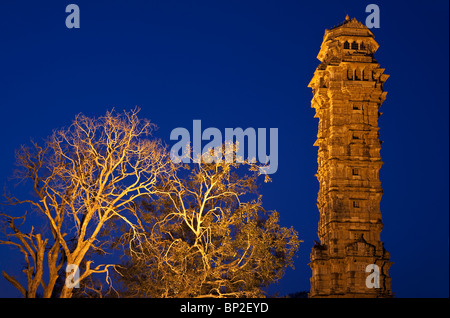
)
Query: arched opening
[{"x": 350, "y": 74}]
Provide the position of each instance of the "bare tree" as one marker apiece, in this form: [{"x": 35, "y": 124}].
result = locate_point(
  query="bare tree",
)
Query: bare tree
[
  {"x": 83, "y": 177},
  {"x": 209, "y": 236}
]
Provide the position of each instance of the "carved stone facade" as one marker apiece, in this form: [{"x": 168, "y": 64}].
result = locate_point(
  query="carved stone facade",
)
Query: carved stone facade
[{"x": 348, "y": 92}]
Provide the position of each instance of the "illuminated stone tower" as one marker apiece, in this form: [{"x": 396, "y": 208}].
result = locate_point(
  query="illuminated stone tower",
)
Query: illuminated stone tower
[{"x": 348, "y": 92}]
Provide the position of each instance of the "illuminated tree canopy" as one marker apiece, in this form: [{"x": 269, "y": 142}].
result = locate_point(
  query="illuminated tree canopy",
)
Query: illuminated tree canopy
[
  {"x": 209, "y": 236},
  {"x": 81, "y": 178},
  {"x": 185, "y": 231}
]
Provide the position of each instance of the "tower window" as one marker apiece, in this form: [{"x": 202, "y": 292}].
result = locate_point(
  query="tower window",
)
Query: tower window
[
  {"x": 355, "y": 172},
  {"x": 362, "y": 46},
  {"x": 350, "y": 74},
  {"x": 355, "y": 107},
  {"x": 356, "y": 204},
  {"x": 354, "y": 45},
  {"x": 346, "y": 45}
]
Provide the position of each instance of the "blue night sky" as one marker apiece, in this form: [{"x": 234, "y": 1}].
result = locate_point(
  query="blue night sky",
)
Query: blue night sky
[{"x": 244, "y": 64}]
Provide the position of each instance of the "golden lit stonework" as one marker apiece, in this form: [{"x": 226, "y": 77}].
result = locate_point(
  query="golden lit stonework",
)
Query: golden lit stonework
[{"x": 348, "y": 92}]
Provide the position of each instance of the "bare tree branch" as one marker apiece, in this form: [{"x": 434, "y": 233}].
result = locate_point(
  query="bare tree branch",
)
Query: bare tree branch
[{"x": 83, "y": 177}]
